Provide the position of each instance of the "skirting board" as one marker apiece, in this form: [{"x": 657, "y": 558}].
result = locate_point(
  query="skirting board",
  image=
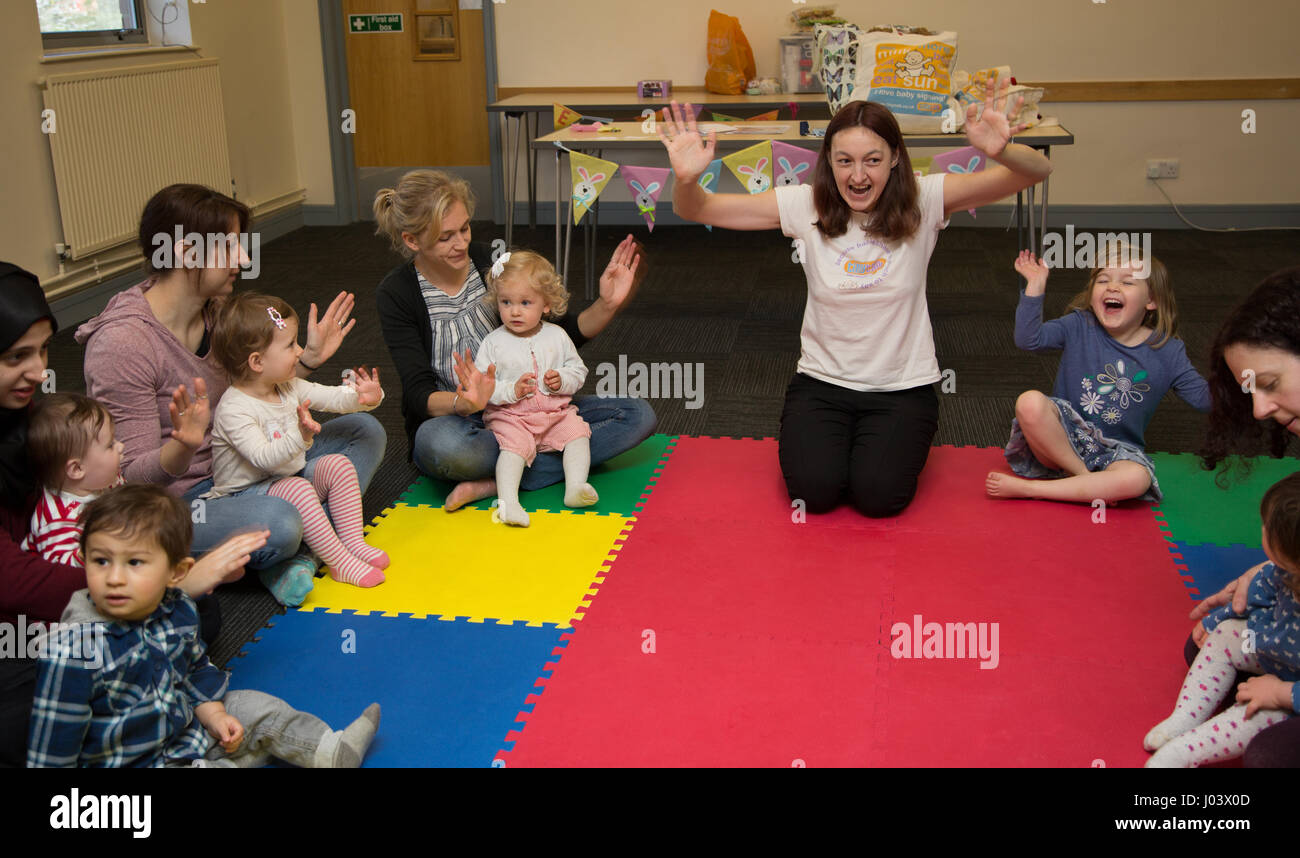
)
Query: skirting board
[{"x": 999, "y": 216}]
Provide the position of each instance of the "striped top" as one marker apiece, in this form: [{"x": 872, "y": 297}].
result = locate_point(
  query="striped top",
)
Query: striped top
[
  {"x": 459, "y": 322},
  {"x": 56, "y": 531}
]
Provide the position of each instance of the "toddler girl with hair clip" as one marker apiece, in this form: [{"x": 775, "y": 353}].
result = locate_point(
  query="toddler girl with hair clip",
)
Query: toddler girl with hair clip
[
  {"x": 1119, "y": 357},
  {"x": 1264, "y": 641},
  {"x": 527, "y": 417},
  {"x": 263, "y": 428}
]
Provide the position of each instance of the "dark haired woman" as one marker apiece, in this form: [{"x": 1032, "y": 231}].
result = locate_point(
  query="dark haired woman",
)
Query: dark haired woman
[
  {"x": 1254, "y": 409},
  {"x": 33, "y": 590},
  {"x": 149, "y": 360},
  {"x": 861, "y": 411}
]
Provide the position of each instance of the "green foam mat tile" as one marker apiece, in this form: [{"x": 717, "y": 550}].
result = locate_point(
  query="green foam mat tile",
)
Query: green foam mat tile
[
  {"x": 1197, "y": 511},
  {"x": 620, "y": 482}
]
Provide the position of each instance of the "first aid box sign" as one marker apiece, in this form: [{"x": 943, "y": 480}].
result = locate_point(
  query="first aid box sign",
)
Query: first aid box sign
[{"x": 388, "y": 23}]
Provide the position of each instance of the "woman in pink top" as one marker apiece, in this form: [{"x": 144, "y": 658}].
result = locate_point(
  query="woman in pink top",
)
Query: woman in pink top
[{"x": 148, "y": 359}]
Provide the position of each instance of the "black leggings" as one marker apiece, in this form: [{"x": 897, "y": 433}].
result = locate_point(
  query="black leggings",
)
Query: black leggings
[
  {"x": 868, "y": 448},
  {"x": 1277, "y": 747}
]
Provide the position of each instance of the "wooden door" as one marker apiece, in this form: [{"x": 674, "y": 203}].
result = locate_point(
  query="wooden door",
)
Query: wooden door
[{"x": 418, "y": 103}]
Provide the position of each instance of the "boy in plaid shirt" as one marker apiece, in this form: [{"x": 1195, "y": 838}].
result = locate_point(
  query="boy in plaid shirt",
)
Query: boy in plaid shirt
[{"x": 131, "y": 685}]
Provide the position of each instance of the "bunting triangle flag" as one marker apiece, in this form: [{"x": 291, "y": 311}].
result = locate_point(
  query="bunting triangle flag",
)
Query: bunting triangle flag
[
  {"x": 564, "y": 116},
  {"x": 752, "y": 166},
  {"x": 922, "y": 166},
  {"x": 967, "y": 159},
  {"x": 645, "y": 184},
  {"x": 725, "y": 117},
  {"x": 794, "y": 164},
  {"x": 665, "y": 114},
  {"x": 589, "y": 177},
  {"x": 709, "y": 181},
  {"x": 770, "y": 116}
]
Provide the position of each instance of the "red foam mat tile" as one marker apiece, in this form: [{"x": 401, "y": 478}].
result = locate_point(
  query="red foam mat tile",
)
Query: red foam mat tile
[{"x": 772, "y": 639}]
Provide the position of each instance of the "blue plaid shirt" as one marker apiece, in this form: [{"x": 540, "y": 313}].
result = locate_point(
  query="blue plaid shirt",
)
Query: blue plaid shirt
[{"x": 136, "y": 708}]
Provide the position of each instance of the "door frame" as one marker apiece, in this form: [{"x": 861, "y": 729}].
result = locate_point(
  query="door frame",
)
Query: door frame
[{"x": 337, "y": 98}]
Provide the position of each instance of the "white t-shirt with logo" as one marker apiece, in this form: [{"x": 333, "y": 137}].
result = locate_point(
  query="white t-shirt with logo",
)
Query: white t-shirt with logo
[{"x": 866, "y": 325}]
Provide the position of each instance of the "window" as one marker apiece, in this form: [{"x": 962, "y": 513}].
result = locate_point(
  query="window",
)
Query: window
[
  {"x": 437, "y": 30},
  {"x": 77, "y": 23}
]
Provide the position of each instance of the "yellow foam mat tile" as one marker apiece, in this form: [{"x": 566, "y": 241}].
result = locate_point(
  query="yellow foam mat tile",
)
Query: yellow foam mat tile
[{"x": 464, "y": 565}]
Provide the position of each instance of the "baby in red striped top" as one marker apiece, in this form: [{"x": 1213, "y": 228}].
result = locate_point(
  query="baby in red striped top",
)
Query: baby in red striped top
[{"x": 74, "y": 456}]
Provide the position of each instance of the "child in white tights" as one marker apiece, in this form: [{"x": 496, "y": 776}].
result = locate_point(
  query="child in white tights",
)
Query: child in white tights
[{"x": 1265, "y": 642}]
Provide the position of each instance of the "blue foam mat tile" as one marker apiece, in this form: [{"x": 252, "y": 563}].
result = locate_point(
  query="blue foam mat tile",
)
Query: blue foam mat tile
[
  {"x": 1212, "y": 566},
  {"x": 450, "y": 691}
]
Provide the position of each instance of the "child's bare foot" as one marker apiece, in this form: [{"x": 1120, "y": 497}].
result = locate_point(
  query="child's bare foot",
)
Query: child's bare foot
[
  {"x": 468, "y": 492},
  {"x": 583, "y": 495},
  {"x": 999, "y": 485},
  {"x": 511, "y": 513}
]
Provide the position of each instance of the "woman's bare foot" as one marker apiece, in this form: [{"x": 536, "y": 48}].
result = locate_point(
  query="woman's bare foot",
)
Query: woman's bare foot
[
  {"x": 999, "y": 485},
  {"x": 468, "y": 492}
]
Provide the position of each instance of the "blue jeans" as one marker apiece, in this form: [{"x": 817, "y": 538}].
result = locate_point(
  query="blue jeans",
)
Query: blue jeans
[
  {"x": 461, "y": 448},
  {"x": 359, "y": 436}
]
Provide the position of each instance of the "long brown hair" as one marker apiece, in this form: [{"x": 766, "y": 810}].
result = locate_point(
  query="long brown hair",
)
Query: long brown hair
[
  {"x": 1268, "y": 318},
  {"x": 189, "y": 208},
  {"x": 896, "y": 215}
]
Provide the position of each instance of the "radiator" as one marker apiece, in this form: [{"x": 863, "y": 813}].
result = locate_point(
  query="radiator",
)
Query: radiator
[{"x": 120, "y": 135}]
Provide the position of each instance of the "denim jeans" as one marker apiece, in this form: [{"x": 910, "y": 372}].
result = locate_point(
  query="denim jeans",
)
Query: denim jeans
[
  {"x": 461, "y": 448},
  {"x": 359, "y": 436}
]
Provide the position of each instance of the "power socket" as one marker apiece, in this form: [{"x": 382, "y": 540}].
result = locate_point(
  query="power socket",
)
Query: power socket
[{"x": 1162, "y": 168}]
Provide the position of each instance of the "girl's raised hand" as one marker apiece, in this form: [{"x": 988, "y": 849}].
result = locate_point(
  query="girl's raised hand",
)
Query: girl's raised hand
[
  {"x": 190, "y": 417},
  {"x": 309, "y": 427},
  {"x": 367, "y": 386},
  {"x": 688, "y": 153},
  {"x": 992, "y": 130},
  {"x": 1033, "y": 270},
  {"x": 475, "y": 387}
]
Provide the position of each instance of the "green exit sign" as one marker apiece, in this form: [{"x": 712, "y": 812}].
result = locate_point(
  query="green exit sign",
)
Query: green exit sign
[{"x": 389, "y": 23}]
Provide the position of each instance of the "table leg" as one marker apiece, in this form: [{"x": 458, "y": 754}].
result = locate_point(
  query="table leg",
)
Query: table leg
[
  {"x": 510, "y": 167},
  {"x": 1029, "y": 209},
  {"x": 531, "y": 124},
  {"x": 559, "y": 261},
  {"x": 1047, "y": 150}
]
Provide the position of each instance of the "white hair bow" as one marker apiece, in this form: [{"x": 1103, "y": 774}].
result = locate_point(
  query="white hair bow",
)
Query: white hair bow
[{"x": 499, "y": 267}]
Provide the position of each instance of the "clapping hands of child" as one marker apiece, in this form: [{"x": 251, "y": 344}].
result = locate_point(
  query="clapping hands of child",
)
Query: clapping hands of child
[
  {"x": 366, "y": 385},
  {"x": 552, "y": 380},
  {"x": 309, "y": 427},
  {"x": 1034, "y": 271},
  {"x": 526, "y": 385}
]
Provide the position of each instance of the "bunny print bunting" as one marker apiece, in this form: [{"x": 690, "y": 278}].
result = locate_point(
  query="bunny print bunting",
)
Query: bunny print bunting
[
  {"x": 590, "y": 176},
  {"x": 967, "y": 159},
  {"x": 564, "y": 116},
  {"x": 645, "y": 184},
  {"x": 752, "y": 166},
  {"x": 793, "y": 164}
]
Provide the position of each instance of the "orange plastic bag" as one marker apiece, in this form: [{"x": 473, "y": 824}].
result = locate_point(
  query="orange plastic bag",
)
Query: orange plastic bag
[{"x": 731, "y": 60}]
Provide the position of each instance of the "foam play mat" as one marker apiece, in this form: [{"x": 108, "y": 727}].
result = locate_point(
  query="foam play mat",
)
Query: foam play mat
[{"x": 701, "y": 618}]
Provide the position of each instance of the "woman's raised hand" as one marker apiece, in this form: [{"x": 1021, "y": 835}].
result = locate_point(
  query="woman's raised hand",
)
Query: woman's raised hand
[
  {"x": 688, "y": 153},
  {"x": 622, "y": 275},
  {"x": 190, "y": 417},
  {"x": 475, "y": 387},
  {"x": 326, "y": 335},
  {"x": 992, "y": 130}
]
